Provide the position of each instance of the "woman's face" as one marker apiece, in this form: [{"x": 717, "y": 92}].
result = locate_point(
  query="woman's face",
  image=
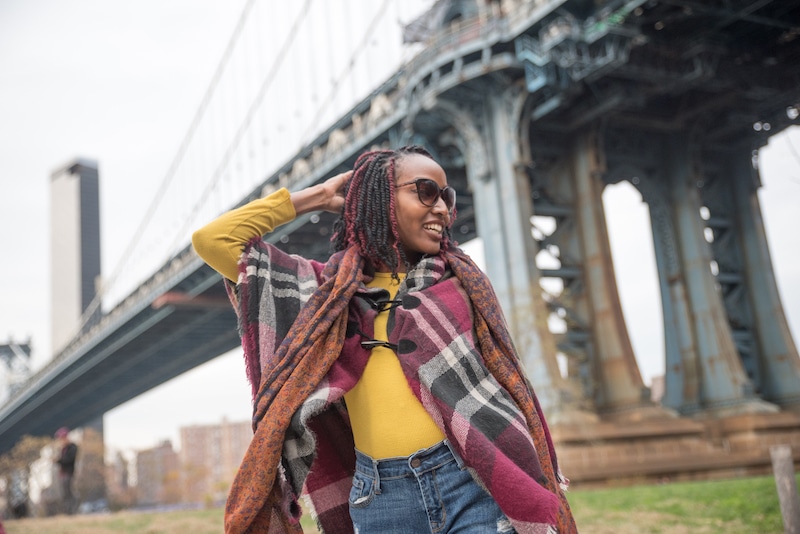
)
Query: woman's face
[{"x": 420, "y": 227}]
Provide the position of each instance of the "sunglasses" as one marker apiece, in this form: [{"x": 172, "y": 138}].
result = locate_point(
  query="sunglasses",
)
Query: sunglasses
[{"x": 429, "y": 193}]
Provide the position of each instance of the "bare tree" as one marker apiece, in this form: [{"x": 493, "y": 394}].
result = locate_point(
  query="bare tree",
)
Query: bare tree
[{"x": 15, "y": 470}]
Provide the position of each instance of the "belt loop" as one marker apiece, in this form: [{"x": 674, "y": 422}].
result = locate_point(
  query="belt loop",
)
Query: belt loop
[
  {"x": 459, "y": 461},
  {"x": 377, "y": 483}
]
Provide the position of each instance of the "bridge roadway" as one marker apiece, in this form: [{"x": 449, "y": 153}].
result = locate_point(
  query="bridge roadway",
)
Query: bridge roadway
[{"x": 180, "y": 318}]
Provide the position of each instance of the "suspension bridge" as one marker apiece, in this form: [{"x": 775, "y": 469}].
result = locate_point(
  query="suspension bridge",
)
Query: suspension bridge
[{"x": 533, "y": 108}]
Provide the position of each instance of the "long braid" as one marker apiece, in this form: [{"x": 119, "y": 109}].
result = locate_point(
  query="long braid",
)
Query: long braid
[{"x": 365, "y": 220}]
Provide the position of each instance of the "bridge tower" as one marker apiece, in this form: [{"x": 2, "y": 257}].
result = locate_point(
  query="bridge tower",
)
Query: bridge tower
[
  {"x": 607, "y": 93},
  {"x": 670, "y": 97},
  {"x": 17, "y": 359},
  {"x": 75, "y": 248}
]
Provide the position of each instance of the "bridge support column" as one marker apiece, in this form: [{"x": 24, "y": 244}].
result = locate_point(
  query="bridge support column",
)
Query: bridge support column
[
  {"x": 511, "y": 253},
  {"x": 567, "y": 179},
  {"x": 747, "y": 280},
  {"x": 704, "y": 373},
  {"x": 682, "y": 380},
  {"x": 487, "y": 135},
  {"x": 619, "y": 389}
]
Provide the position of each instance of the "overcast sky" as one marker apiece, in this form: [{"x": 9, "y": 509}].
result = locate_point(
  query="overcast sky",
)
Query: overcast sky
[{"x": 119, "y": 82}]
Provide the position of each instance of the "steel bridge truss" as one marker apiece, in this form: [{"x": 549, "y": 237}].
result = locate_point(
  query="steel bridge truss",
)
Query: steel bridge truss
[{"x": 533, "y": 107}]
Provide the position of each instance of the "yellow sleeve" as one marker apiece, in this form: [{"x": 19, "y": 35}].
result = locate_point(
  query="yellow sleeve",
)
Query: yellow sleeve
[{"x": 221, "y": 242}]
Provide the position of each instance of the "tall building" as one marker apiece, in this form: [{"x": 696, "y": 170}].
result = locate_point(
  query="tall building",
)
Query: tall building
[
  {"x": 118, "y": 482},
  {"x": 157, "y": 476},
  {"x": 75, "y": 247},
  {"x": 210, "y": 456}
]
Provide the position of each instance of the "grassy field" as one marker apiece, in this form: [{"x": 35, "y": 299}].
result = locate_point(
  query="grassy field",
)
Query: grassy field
[{"x": 748, "y": 505}]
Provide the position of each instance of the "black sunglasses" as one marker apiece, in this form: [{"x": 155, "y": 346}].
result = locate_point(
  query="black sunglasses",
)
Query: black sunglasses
[{"x": 429, "y": 192}]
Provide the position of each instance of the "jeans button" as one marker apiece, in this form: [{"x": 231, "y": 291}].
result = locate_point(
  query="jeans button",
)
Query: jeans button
[{"x": 416, "y": 462}]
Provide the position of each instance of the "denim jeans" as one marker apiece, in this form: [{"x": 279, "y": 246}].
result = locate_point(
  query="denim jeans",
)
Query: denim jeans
[{"x": 429, "y": 491}]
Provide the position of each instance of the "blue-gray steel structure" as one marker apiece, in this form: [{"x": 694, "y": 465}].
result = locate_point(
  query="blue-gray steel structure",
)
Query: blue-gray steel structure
[
  {"x": 17, "y": 359},
  {"x": 533, "y": 107}
]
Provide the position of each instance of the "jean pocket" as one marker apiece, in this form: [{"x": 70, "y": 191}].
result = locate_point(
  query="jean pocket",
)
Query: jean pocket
[{"x": 361, "y": 493}]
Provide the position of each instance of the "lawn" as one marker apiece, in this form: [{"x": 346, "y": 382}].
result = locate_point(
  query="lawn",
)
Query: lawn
[{"x": 747, "y": 505}]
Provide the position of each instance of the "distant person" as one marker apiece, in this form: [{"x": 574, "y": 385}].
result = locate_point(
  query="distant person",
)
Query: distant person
[
  {"x": 66, "y": 470},
  {"x": 385, "y": 382}
]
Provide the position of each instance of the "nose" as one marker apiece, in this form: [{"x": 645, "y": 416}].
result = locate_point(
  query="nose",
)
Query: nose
[{"x": 440, "y": 208}]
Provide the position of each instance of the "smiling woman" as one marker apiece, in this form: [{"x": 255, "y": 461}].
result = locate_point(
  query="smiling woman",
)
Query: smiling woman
[{"x": 385, "y": 375}]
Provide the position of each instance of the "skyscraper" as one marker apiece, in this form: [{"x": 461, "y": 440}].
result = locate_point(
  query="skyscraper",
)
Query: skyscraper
[{"x": 75, "y": 247}]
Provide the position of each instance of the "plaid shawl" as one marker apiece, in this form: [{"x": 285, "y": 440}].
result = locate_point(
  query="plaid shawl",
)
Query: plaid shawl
[{"x": 297, "y": 320}]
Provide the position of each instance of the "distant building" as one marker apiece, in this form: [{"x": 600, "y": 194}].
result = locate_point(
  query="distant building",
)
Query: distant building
[
  {"x": 157, "y": 476},
  {"x": 118, "y": 482},
  {"x": 118, "y": 474},
  {"x": 210, "y": 456},
  {"x": 74, "y": 247},
  {"x": 657, "y": 389}
]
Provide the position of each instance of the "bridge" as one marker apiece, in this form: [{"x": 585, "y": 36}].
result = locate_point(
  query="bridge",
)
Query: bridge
[{"x": 533, "y": 107}]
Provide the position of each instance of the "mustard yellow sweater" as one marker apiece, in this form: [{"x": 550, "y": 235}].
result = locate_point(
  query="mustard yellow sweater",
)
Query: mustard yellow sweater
[{"x": 387, "y": 419}]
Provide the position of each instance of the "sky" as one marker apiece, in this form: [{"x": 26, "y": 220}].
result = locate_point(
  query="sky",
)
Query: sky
[{"x": 119, "y": 82}]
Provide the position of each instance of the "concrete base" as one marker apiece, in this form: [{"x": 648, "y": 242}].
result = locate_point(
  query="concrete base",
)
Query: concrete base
[{"x": 679, "y": 448}]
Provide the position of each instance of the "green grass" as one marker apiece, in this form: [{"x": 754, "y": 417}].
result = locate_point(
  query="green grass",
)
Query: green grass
[{"x": 746, "y": 505}]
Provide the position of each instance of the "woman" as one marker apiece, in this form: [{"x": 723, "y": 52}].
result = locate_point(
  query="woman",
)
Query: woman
[{"x": 386, "y": 387}]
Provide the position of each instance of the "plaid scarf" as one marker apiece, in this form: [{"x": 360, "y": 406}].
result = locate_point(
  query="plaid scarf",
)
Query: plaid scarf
[{"x": 297, "y": 320}]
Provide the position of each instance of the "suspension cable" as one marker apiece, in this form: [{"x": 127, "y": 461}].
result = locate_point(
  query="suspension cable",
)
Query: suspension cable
[
  {"x": 349, "y": 66},
  {"x": 266, "y": 84},
  {"x": 184, "y": 146}
]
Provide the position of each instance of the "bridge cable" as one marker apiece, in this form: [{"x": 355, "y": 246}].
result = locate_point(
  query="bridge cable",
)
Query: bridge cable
[
  {"x": 337, "y": 83},
  {"x": 171, "y": 172},
  {"x": 266, "y": 84}
]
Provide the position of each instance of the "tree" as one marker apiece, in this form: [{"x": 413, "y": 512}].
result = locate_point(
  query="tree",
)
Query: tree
[{"x": 15, "y": 470}]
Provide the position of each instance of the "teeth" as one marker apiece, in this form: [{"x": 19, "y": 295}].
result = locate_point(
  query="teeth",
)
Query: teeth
[{"x": 434, "y": 227}]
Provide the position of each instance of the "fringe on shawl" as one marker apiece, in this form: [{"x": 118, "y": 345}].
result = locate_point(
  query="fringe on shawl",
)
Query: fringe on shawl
[
  {"x": 303, "y": 359},
  {"x": 500, "y": 357},
  {"x": 320, "y": 330}
]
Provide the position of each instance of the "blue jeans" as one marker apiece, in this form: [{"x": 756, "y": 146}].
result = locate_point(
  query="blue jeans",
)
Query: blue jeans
[{"x": 429, "y": 491}]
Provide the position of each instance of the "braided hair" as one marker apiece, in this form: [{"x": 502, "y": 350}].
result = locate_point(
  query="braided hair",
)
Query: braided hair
[{"x": 368, "y": 218}]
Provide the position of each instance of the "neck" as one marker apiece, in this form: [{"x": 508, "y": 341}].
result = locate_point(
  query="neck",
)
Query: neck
[{"x": 381, "y": 267}]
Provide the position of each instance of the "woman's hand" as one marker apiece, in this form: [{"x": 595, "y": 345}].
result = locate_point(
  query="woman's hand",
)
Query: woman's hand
[
  {"x": 327, "y": 196},
  {"x": 334, "y": 191}
]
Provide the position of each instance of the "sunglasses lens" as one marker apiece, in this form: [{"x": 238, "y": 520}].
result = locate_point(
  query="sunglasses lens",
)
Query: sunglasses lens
[
  {"x": 449, "y": 196},
  {"x": 428, "y": 192}
]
